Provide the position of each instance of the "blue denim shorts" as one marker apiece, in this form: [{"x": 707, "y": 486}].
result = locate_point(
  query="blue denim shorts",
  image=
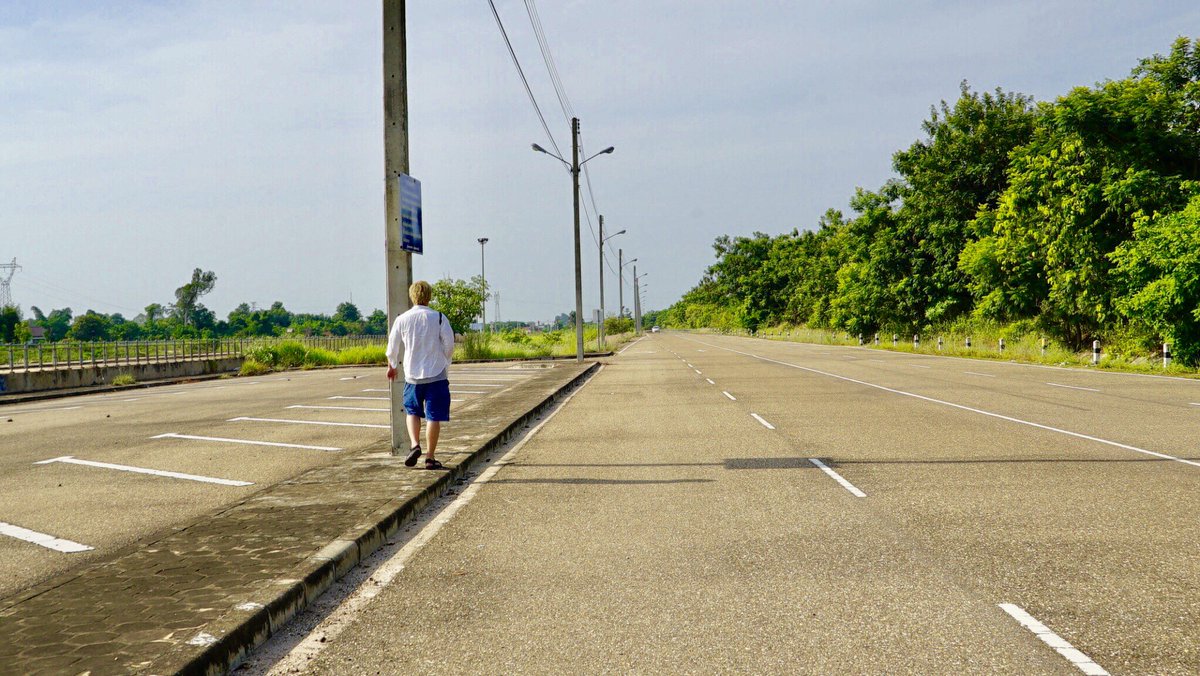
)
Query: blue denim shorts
[{"x": 428, "y": 400}]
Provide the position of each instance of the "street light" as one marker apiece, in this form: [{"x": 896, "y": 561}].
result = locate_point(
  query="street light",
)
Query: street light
[
  {"x": 483, "y": 276},
  {"x": 603, "y": 239},
  {"x": 621, "y": 280},
  {"x": 574, "y": 166}
]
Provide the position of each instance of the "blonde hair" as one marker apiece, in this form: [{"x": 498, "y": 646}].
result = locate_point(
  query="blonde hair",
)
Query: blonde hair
[{"x": 420, "y": 292}]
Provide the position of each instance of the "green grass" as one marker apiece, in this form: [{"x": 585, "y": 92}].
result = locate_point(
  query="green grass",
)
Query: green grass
[
  {"x": 122, "y": 379},
  {"x": 1020, "y": 344}
]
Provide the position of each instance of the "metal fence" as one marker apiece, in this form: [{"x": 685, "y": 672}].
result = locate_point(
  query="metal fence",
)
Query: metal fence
[{"x": 74, "y": 354}]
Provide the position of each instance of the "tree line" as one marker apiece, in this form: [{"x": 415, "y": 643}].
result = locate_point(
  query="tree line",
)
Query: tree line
[
  {"x": 460, "y": 300},
  {"x": 1078, "y": 218}
]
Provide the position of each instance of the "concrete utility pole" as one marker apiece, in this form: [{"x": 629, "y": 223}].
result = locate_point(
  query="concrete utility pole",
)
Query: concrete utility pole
[
  {"x": 600, "y": 322},
  {"x": 578, "y": 261},
  {"x": 637, "y": 306},
  {"x": 395, "y": 162},
  {"x": 483, "y": 276},
  {"x": 620, "y": 282}
]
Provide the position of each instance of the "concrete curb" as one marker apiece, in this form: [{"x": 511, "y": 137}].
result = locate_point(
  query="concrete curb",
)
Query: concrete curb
[{"x": 246, "y": 627}]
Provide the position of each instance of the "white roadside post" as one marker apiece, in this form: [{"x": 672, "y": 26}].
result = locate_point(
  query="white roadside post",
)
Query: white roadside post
[
  {"x": 1095, "y": 352},
  {"x": 1166, "y": 355}
]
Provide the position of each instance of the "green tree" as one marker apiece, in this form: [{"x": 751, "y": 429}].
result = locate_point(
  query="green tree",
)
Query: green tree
[
  {"x": 347, "y": 312},
  {"x": 90, "y": 326},
  {"x": 187, "y": 297},
  {"x": 1159, "y": 273},
  {"x": 461, "y": 301},
  {"x": 10, "y": 319},
  {"x": 376, "y": 324}
]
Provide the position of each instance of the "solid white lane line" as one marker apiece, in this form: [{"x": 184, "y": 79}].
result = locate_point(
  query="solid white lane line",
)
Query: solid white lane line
[
  {"x": 142, "y": 470},
  {"x": 630, "y": 345},
  {"x": 134, "y": 399},
  {"x": 759, "y": 418},
  {"x": 480, "y": 384},
  {"x": 1072, "y": 387},
  {"x": 339, "y": 408},
  {"x": 465, "y": 392},
  {"x": 38, "y": 410},
  {"x": 931, "y": 400},
  {"x": 361, "y": 398},
  {"x": 250, "y": 442},
  {"x": 838, "y": 478},
  {"x": 731, "y": 397},
  {"x": 710, "y": 381},
  {"x": 985, "y": 375},
  {"x": 349, "y": 378},
  {"x": 47, "y": 541},
  {"x": 1081, "y": 661},
  {"x": 308, "y": 422}
]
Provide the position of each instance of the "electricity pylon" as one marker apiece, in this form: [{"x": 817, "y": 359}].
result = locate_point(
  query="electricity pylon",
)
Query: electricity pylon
[{"x": 7, "y": 270}]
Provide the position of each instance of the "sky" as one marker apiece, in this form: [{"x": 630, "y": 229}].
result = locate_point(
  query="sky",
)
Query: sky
[{"x": 141, "y": 140}]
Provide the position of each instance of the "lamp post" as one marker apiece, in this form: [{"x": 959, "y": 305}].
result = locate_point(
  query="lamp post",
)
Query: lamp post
[
  {"x": 483, "y": 276},
  {"x": 603, "y": 239},
  {"x": 574, "y": 166},
  {"x": 621, "y": 279}
]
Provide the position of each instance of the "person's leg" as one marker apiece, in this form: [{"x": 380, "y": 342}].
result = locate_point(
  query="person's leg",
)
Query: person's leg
[
  {"x": 414, "y": 431},
  {"x": 432, "y": 431}
]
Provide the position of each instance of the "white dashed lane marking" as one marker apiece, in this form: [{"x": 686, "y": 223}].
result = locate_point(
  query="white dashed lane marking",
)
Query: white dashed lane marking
[
  {"x": 339, "y": 408},
  {"x": 710, "y": 381},
  {"x": 731, "y": 397},
  {"x": 838, "y": 478},
  {"x": 1073, "y": 387},
  {"x": 760, "y": 419},
  {"x": 360, "y": 398},
  {"x": 1081, "y": 661}
]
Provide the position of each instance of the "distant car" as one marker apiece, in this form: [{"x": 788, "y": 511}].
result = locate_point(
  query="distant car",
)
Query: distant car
[{"x": 654, "y": 330}]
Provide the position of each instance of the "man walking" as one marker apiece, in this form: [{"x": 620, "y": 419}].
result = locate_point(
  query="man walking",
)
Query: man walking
[{"x": 428, "y": 343}]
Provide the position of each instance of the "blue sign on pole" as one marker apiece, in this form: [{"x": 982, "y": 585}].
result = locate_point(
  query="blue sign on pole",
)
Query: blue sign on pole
[{"x": 411, "y": 238}]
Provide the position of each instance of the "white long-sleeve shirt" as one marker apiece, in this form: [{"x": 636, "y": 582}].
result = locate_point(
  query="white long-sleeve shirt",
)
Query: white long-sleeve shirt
[{"x": 428, "y": 342}]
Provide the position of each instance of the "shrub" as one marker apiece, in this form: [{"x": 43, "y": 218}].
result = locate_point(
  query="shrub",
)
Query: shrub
[
  {"x": 318, "y": 357},
  {"x": 253, "y": 367},
  {"x": 476, "y": 346},
  {"x": 363, "y": 355},
  {"x": 290, "y": 354},
  {"x": 265, "y": 355},
  {"x": 122, "y": 379}
]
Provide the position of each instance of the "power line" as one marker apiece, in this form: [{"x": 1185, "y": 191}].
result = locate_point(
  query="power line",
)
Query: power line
[
  {"x": 564, "y": 102},
  {"x": 524, "y": 81}
]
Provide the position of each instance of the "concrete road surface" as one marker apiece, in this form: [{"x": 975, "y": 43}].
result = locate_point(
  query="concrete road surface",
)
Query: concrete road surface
[
  {"x": 717, "y": 504},
  {"x": 127, "y": 466}
]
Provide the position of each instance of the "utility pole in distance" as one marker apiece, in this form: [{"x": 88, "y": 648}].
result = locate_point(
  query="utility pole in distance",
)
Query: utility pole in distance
[
  {"x": 483, "y": 276},
  {"x": 395, "y": 162}
]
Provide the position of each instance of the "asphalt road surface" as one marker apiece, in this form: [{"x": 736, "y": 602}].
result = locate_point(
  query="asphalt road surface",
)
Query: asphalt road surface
[
  {"x": 126, "y": 466},
  {"x": 717, "y": 504}
]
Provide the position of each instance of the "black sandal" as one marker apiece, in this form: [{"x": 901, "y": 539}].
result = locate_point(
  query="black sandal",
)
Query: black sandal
[
  {"x": 430, "y": 463},
  {"x": 413, "y": 454}
]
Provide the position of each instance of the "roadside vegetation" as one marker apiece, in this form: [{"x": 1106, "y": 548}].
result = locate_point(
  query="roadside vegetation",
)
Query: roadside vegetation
[{"x": 1070, "y": 220}]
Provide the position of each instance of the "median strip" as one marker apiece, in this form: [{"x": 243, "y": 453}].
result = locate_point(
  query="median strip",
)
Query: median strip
[
  {"x": 838, "y": 478},
  {"x": 142, "y": 470},
  {"x": 1081, "y": 661}
]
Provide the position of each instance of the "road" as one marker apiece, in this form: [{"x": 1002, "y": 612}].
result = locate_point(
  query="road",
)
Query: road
[
  {"x": 127, "y": 466},
  {"x": 721, "y": 504}
]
